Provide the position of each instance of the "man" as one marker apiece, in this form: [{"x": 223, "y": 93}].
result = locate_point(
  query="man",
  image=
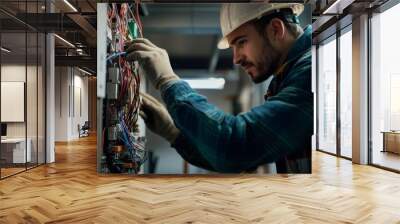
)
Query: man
[{"x": 266, "y": 40}]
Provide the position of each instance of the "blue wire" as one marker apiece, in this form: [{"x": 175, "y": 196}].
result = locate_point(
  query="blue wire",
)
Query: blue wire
[
  {"x": 129, "y": 142},
  {"x": 126, "y": 139},
  {"x": 115, "y": 55}
]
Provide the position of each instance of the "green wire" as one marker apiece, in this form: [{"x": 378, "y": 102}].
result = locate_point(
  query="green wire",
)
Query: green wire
[{"x": 133, "y": 29}]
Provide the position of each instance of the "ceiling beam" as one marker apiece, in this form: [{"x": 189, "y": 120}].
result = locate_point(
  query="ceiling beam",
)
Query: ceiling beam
[
  {"x": 84, "y": 24},
  {"x": 83, "y": 61}
]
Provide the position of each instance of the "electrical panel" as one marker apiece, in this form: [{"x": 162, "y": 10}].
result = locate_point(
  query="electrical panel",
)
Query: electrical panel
[{"x": 121, "y": 141}]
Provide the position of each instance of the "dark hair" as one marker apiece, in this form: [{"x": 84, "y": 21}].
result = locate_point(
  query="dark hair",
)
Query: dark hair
[{"x": 290, "y": 21}]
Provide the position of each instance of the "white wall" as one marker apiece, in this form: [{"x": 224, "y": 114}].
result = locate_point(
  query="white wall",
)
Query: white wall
[
  {"x": 33, "y": 126},
  {"x": 16, "y": 73},
  {"x": 70, "y": 83},
  {"x": 61, "y": 103},
  {"x": 79, "y": 117},
  {"x": 13, "y": 72}
]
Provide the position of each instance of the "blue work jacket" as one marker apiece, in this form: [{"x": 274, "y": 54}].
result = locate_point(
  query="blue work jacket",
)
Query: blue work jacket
[{"x": 278, "y": 131}]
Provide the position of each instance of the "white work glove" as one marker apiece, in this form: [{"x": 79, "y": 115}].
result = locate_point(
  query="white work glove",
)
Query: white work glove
[
  {"x": 157, "y": 118},
  {"x": 153, "y": 60}
]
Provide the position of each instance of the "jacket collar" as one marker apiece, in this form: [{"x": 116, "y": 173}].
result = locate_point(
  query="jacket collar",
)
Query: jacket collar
[{"x": 302, "y": 44}]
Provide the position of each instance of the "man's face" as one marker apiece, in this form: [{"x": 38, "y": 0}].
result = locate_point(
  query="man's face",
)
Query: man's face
[{"x": 253, "y": 52}]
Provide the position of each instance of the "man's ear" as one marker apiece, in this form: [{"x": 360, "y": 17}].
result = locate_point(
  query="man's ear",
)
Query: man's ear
[{"x": 276, "y": 29}]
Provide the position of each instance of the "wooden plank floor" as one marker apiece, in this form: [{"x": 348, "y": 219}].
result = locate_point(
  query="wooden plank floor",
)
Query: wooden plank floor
[
  {"x": 10, "y": 171},
  {"x": 70, "y": 191}
]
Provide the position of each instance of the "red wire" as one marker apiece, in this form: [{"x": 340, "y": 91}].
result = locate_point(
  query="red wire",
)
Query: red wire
[{"x": 130, "y": 79}]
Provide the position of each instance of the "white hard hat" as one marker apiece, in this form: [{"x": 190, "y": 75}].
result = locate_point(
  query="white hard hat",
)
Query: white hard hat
[{"x": 234, "y": 15}]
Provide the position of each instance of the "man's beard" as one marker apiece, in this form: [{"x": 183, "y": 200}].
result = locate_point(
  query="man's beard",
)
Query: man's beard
[{"x": 269, "y": 64}]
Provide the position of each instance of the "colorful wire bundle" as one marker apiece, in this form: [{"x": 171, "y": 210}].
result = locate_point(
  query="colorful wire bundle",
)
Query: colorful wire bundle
[{"x": 128, "y": 101}]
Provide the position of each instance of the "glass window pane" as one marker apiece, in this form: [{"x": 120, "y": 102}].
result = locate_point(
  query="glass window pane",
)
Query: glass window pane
[
  {"x": 346, "y": 94},
  {"x": 41, "y": 99},
  {"x": 327, "y": 96},
  {"x": 31, "y": 97},
  {"x": 13, "y": 87},
  {"x": 385, "y": 84},
  {"x": 22, "y": 64}
]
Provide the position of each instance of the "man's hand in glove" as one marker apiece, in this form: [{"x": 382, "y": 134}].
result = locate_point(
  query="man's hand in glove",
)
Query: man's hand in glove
[
  {"x": 157, "y": 118},
  {"x": 153, "y": 60}
]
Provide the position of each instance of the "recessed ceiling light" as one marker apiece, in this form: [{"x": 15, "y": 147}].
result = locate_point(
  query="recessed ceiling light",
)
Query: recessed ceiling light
[
  {"x": 84, "y": 71},
  {"x": 70, "y": 5},
  {"x": 334, "y": 8},
  {"x": 65, "y": 41},
  {"x": 5, "y": 50}
]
